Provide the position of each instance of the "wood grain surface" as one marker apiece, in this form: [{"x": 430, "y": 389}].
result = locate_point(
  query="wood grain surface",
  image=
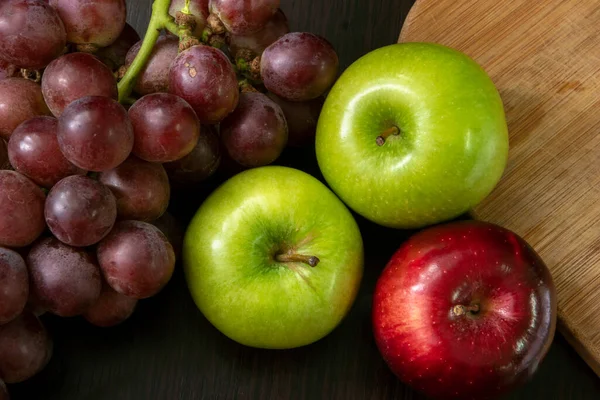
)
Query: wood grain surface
[
  {"x": 545, "y": 59},
  {"x": 169, "y": 351}
]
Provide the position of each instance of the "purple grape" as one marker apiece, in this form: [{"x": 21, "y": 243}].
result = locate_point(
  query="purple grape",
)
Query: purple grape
[
  {"x": 80, "y": 211},
  {"x": 97, "y": 22},
  {"x": 20, "y": 100},
  {"x": 136, "y": 259},
  {"x": 155, "y": 74},
  {"x": 21, "y": 210},
  {"x": 165, "y": 126},
  {"x": 110, "y": 309},
  {"x": 198, "y": 8},
  {"x": 257, "y": 42},
  {"x": 74, "y": 76},
  {"x": 95, "y": 133},
  {"x": 33, "y": 151},
  {"x": 7, "y": 70},
  {"x": 256, "y": 133},
  {"x": 114, "y": 55},
  {"x": 244, "y": 17},
  {"x": 204, "y": 77},
  {"x": 299, "y": 66},
  {"x": 14, "y": 285},
  {"x": 201, "y": 163},
  {"x": 65, "y": 280},
  {"x": 141, "y": 188},
  {"x": 25, "y": 348},
  {"x": 31, "y": 33},
  {"x": 302, "y": 118}
]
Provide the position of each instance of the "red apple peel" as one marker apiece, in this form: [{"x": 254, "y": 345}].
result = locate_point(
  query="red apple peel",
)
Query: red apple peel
[{"x": 464, "y": 310}]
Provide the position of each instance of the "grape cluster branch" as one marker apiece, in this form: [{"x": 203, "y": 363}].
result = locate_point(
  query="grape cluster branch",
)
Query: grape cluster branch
[
  {"x": 246, "y": 63},
  {"x": 159, "y": 20}
]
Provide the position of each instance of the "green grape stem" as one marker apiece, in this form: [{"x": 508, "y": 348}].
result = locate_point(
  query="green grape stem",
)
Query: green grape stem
[
  {"x": 213, "y": 35},
  {"x": 160, "y": 19},
  {"x": 186, "y": 8}
]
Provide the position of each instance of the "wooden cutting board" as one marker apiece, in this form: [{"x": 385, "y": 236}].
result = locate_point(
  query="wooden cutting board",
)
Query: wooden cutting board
[{"x": 544, "y": 57}]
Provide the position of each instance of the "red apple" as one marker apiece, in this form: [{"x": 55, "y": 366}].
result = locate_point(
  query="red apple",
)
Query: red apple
[{"x": 464, "y": 310}]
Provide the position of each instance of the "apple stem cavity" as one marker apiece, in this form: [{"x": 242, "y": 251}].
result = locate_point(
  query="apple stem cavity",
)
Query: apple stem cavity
[
  {"x": 393, "y": 130},
  {"x": 462, "y": 310},
  {"x": 292, "y": 257}
]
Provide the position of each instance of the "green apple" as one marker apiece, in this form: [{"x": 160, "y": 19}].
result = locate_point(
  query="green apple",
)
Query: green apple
[
  {"x": 412, "y": 134},
  {"x": 273, "y": 258}
]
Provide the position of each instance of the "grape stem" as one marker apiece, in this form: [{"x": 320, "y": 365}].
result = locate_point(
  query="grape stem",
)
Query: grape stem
[
  {"x": 186, "y": 8},
  {"x": 159, "y": 20}
]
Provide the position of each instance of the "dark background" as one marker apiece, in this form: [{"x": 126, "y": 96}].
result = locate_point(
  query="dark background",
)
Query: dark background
[{"x": 167, "y": 350}]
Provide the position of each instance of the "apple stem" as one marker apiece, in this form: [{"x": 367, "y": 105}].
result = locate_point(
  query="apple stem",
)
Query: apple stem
[
  {"x": 393, "y": 130},
  {"x": 462, "y": 310},
  {"x": 287, "y": 257}
]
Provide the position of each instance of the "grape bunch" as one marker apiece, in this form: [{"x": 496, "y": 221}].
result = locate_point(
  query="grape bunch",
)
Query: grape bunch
[{"x": 97, "y": 125}]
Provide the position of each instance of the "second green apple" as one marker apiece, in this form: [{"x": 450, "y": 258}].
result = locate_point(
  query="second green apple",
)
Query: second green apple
[
  {"x": 273, "y": 258},
  {"x": 412, "y": 134}
]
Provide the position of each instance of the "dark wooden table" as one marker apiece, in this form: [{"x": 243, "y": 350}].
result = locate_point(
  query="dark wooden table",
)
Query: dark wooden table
[{"x": 168, "y": 351}]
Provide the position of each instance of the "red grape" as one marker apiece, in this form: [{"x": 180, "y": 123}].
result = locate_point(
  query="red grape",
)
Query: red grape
[
  {"x": 172, "y": 229},
  {"x": 155, "y": 74},
  {"x": 20, "y": 99},
  {"x": 204, "y": 77},
  {"x": 299, "y": 66},
  {"x": 33, "y": 151},
  {"x": 4, "y": 164},
  {"x": 31, "y": 33},
  {"x": 256, "y": 133},
  {"x": 136, "y": 259},
  {"x": 165, "y": 126},
  {"x": 302, "y": 118},
  {"x": 201, "y": 163},
  {"x": 198, "y": 8},
  {"x": 21, "y": 210},
  {"x": 140, "y": 187},
  {"x": 257, "y": 42},
  {"x": 14, "y": 285},
  {"x": 7, "y": 70},
  {"x": 97, "y": 22},
  {"x": 25, "y": 348},
  {"x": 74, "y": 76},
  {"x": 95, "y": 133},
  {"x": 65, "y": 280},
  {"x": 80, "y": 211},
  {"x": 244, "y": 17},
  {"x": 3, "y": 391},
  {"x": 114, "y": 55},
  {"x": 110, "y": 309}
]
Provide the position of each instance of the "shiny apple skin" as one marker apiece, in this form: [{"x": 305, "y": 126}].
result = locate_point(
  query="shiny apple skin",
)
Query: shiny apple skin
[
  {"x": 469, "y": 356},
  {"x": 452, "y": 147}
]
